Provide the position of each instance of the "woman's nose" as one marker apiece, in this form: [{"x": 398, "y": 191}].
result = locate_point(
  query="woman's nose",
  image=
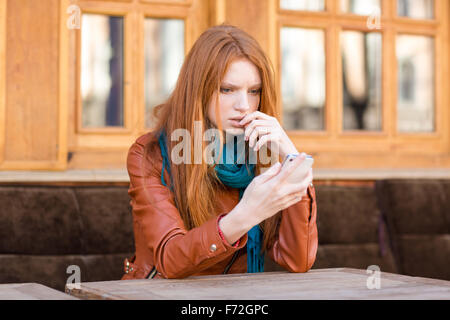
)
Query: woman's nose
[{"x": 242, "y": 104}]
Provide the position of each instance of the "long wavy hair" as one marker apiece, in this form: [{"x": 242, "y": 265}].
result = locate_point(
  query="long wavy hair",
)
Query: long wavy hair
[{"x": 195, "y": 186}]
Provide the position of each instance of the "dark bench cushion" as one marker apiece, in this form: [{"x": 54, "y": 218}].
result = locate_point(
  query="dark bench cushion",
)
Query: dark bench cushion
[
  {"x": 351, "y": 233},
  {"x": 63, "y": 220},
  {"x": 39, "y": 220},
  {"x": 43, "y": 230},
  {"x": 51, "y": 271},
  {"x": 416, "y": 206},
  {"x": 106, "y": 219},
  {"x": 418, "y": 219}
]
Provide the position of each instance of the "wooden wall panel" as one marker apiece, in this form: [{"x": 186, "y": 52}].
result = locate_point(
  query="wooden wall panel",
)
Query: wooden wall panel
[
  {"x": 38, "y": 74},
  {"x": 257, "y": 18},
  {"x": 251, "y": 16},
  {"x": 2, "y": 75},
  {"x": 32, "y": 48}
]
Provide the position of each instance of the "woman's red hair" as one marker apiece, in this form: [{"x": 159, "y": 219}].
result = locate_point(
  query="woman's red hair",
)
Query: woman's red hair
[{"x": 195, "y": 185}]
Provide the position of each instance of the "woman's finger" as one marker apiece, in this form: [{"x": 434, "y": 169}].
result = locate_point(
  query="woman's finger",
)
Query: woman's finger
[
  {"x": 269, "y": 173},
  {"x": 272, "y": 137},
  {"x": 256, "y": 123},
  {"x": 258, "y": 132},
  {"x": 291, "y": 200},
  {"x": 292, "y": 188},
  {"x": 286, "y": 172},
  {"x": 254, "y": 115}
]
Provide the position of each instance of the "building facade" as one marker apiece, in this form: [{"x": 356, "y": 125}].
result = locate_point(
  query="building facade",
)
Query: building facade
[{"x": 363, "y": 84}]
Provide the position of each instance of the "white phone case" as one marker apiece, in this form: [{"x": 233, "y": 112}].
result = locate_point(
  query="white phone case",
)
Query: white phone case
[{"x": 301, "y": 171}]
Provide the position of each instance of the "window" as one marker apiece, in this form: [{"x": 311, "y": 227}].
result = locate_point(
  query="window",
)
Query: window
[
  {"x": 164, "y": 56},
  {"x": 359, "y": 79},
  {"x": 417, "y": 9},
  {"x": 127, "y": 55},
  {"x": 415, "y": 58},
  {"x": 101, "y": 78},
  {"x": 361, "y": 7},
  {"x": 303, "y": 81},
  {"x": 310, "y": 5}
]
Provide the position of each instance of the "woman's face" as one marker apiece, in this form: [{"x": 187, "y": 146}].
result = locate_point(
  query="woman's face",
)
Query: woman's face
[{"x": 240, "y": 93}]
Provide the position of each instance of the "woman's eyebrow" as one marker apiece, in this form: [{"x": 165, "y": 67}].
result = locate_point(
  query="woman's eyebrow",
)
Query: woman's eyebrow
[{"x": 237, "y": 87}]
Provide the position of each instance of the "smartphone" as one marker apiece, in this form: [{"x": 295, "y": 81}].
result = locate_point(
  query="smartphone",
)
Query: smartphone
[{"x": 301, "y": 171}]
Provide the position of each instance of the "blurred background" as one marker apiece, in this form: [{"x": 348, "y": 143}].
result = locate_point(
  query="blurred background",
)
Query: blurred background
[
  {"x": 363, "y": 84},
  {"x": 363, "y": 87}
]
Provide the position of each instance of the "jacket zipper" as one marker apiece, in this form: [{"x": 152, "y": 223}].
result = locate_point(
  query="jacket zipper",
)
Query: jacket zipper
[
  {"x": 227, "y": 268},
  {"x": 152, "y": 273}
]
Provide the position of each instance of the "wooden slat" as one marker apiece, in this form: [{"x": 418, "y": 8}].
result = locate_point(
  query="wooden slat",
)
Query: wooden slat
[
  {"x": 32, "y": 83},
  {"x": 31, "y": 291},
  {"x": 339, "y": 283},
  {"x": 251, "y": 16},
  {"x": 63, "y": 92},
  {"x": 3, "y": 4},
  {"x": 321, "y": 176}
]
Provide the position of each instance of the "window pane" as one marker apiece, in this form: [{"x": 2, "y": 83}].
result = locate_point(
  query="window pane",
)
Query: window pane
[
  {"x": 415, "y": 60},
  {"x": 361, "y": 69},
  {"x": 303, "y": 78},
  {"x": 418, "y": 9},
  {"x": 307, "y": 5},
  {"x": 102, "y": 70},
  {"x": 361, "y": 7},
  {"x": 164, "y": 55}
]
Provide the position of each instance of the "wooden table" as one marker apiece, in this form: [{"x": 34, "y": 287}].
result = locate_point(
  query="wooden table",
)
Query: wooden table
[
  {"x": 340, "y": 283},
  {"x": 31, "y": 291}
]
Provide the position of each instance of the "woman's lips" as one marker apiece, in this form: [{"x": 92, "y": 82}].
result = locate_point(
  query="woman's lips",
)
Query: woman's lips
[{"x": 235, "y": 123}]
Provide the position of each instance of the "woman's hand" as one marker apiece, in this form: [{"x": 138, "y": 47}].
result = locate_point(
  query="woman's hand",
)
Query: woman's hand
[
  {"x": 265, "y": 196},
  {"x": 268, "y": 131},
  {"x": 269, "y": 193}
]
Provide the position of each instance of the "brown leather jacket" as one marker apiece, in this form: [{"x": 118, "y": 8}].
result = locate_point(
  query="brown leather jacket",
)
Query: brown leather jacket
[{"x": 163, "y": 243}]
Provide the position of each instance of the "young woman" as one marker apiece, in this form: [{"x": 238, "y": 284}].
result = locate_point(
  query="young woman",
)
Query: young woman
[{"x": 196, "y": 217}]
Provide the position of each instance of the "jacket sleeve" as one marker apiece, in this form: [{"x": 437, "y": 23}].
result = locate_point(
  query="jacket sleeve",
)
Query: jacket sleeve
[
  {"x": 296, "y": 246},
  {"x": 177, "y": 253}
]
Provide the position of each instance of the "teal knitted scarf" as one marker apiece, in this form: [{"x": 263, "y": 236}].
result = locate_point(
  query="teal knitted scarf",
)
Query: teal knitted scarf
[{"x": 233, "y": 175}]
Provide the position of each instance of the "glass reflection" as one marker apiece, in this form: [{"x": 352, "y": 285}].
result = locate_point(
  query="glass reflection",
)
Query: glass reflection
[
  {"x": 306, "y": 5},
  {"x": 303, "y": 78},
  {"x": 361, "y": 7},
  {"x": 415, "y": 61},
  {"x": 361, "y": 70},
  {"x": 102, "y": 70},
  {"x": 164, "y": 55},
  {"x": 417, "y": 9}
]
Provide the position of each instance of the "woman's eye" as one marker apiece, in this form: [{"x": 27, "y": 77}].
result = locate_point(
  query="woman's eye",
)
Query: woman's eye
[
  {"x": 225, "y": 90},
  {"x": 258, "y": 91}
]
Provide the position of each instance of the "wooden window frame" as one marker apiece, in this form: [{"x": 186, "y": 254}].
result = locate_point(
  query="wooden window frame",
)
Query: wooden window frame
[
  {"x": 2, "y": 78},
  {"x": 61, "y": 158},
  {"x": 334, "y": 147},
  {"x": 127, "y": 73},
  {"x": 87, "y": 145}
]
